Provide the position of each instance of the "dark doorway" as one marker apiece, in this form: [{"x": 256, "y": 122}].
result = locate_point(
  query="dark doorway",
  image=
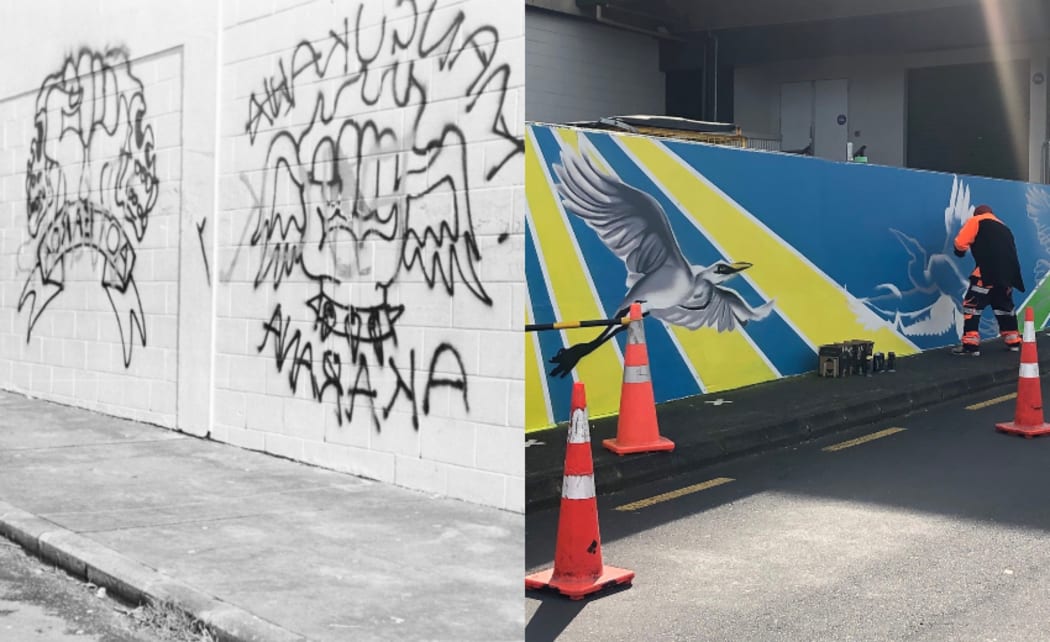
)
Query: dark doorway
[
  {"x": 684, "y": 93},
  {"x": 959, "y": 119}
]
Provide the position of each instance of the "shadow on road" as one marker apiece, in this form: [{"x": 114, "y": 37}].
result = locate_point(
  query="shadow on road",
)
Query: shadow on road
[{"x": 556, "y": 612}]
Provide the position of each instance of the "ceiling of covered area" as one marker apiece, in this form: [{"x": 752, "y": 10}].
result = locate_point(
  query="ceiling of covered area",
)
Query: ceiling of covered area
[{"x": 752, "y": 31}]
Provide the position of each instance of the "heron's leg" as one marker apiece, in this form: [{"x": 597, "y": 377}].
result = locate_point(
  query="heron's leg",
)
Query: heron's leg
[
  {"x": 611, "y": 331},
  {"x": 567, "y": 358}
]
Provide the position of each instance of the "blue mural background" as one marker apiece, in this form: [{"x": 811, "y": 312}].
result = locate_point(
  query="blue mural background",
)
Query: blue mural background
[{"x": 842, "y": 231}]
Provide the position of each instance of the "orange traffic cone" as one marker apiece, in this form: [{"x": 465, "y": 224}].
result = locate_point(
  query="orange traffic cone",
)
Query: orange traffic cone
[
  {"x": 1028, "y": 418},
  {"x": 637, "y": 430},
  {"x": 578, "y": 568}
]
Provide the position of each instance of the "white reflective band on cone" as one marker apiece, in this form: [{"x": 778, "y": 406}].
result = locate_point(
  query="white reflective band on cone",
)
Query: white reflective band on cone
[
  {"x": 1029, "y": 370},
  {"x": 1029, "y": 332},
  {"x": 578, "y": 487},
  {"x": 636, "y": 374},
  {"x": 636, "y": 332},
  {"x": 579, "y": 427}
]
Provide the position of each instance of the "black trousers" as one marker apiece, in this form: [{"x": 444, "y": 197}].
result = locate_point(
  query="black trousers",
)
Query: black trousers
[{"x": 978, "y": 297}]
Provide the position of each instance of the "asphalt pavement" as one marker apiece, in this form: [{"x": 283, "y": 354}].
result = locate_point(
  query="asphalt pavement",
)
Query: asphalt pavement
[
  {"x": 929, "y": 526},
  {"x": 712, "y": 428},
  {"x": 257, "y": 547}
]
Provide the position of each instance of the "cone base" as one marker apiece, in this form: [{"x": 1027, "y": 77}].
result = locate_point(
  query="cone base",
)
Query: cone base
[
  {"x": 577, "y": 589},
  {"x": 660, "y": 444},
  {"x": 1011, "y": 428}
]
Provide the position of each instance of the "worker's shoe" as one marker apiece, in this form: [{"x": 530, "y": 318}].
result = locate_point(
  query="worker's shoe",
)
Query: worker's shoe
[{"x": 966, "y": 351}]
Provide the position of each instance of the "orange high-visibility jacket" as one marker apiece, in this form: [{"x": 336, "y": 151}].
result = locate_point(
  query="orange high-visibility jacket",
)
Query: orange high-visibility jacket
[{"x": 993, "y": 249}]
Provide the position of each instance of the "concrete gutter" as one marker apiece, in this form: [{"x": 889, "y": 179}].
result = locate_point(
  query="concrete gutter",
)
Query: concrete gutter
[{"x": 132, "y": 581}]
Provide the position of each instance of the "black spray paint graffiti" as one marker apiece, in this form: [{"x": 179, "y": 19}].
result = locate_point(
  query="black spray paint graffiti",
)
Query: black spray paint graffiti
[
  {"x": 204, "y": 252},
  {"x": 366, "y": 139},
  {"x": 90, "y": 180},
  {"x": 291, "y": 349}
]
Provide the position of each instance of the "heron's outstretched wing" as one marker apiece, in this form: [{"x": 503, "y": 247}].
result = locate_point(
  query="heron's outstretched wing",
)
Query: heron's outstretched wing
[
  {"x": 959, "y": 210},
  {"x": 724, "y": 311},
  {"x": 630, "y": 222}
]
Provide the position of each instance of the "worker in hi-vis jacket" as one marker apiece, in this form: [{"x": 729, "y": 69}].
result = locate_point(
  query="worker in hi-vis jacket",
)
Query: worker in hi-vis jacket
[{"x": 992, "y": 282}]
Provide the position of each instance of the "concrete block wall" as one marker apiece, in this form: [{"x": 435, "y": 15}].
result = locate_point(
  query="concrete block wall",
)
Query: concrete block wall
[
  {"x": 331, "y": 267},
  {"x": 94, "y": 140},
  {"x": 877, "y": 95},
  {"x": 581, "y": 70}
]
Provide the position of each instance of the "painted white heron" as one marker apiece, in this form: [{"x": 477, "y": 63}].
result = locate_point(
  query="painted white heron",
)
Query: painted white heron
[
  {"x": 633, "y": 225},
  {"x": 933, "y": 274}
]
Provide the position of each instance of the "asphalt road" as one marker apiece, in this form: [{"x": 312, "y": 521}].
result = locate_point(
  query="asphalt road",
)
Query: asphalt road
[
  {"x": 39, "y": 603},
  {"x": 939, "y": 531}
]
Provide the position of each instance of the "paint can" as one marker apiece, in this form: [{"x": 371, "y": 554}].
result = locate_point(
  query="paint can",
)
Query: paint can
[
  {"x": 891, "y": 362},
  {"x": 878, "y": 362}
]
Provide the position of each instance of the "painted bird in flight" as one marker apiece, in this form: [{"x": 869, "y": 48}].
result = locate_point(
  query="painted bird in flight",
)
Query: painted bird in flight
[{"x": 634, "y": 226}]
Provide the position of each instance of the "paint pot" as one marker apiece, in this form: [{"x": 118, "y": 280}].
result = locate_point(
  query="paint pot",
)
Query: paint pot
[
  {"x": 878, "y": 362},
  {"x": 891, "y": 362}
]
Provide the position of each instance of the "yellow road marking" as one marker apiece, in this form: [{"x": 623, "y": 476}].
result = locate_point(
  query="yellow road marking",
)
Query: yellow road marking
[
  {"x": 862, "y": 440},
  {"x": 674, "y": 494},
  {"x": 992, "y": 402}
]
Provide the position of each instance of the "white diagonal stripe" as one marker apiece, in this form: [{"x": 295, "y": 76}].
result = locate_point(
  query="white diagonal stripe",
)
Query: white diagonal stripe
[{"x": 578, "y": 487}]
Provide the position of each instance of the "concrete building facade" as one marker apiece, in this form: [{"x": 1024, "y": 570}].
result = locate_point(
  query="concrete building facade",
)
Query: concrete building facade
[{"x": 950, "y": 85}]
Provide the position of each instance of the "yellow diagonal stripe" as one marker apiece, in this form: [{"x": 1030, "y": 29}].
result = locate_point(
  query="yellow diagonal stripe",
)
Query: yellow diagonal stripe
[
  {"x": 571, "y": 137},
  {"x": 674, "y": 494},
  {"x": 601, "y": 371},
  {"x": 992, "y": 402},
  {"x": 862, "y": 440},
  {"x": 814, "y": 304},
  {"x": 723, "y": 360},
  {"x": 536, "y": 415}
]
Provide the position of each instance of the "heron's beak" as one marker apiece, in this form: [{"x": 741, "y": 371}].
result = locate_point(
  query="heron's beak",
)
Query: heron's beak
[{"x": 739, "y": 266}]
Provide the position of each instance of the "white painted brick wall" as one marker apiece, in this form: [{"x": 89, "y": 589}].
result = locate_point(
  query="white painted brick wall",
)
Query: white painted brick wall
[
  {"x": 580, "y": 70},
  {"x": 392, "y": 436},
  {"x": 446, "y": 239},
  {"x": 77, "y": 333}
]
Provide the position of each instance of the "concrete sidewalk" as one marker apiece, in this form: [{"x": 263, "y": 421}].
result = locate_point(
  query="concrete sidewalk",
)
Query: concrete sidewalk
[
  {"x": 258, "y": 547},
  {"x": 714, "y": 427}
]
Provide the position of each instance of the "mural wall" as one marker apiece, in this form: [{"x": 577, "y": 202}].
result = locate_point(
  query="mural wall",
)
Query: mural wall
[
  {"x": 293, "y": 226},
  {"x": 747, "y": 261}
]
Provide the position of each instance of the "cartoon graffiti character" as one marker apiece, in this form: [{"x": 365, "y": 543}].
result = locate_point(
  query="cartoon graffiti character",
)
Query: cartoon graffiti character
[
  {"x": 370, "y": 183},
  {"x": 932, "y": 305},
  {"x": 634, "y": 226},
  {"x": 91, "y": 168}
]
